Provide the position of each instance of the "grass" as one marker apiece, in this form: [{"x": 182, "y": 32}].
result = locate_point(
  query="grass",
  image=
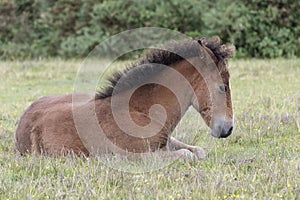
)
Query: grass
[{"x": 261, "y": 160}]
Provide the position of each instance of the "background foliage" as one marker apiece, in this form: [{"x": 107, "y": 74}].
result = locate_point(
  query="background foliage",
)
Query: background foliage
[{"x": 66, "y": 28}]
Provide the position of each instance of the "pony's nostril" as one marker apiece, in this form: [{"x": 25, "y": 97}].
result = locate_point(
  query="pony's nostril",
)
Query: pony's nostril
[
  {"x": 229, "y": 131},
  {"x": 226, "y": 134}
]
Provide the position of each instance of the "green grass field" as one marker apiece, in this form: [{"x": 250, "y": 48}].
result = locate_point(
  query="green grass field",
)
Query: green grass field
[{"x": 260, "y": 160}]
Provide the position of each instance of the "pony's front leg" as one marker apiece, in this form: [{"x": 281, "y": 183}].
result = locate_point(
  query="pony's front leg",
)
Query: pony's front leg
[{"x": 176, "y": 145}]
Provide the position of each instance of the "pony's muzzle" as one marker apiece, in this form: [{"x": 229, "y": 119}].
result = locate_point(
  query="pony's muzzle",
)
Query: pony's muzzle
[{"x": 222, "y": 129}]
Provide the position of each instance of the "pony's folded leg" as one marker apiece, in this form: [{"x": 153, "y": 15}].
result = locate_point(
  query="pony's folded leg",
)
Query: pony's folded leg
[
  {"x": 185, "y": 154},
  {"x": 198, "y": 152},
  {"x": 175, "y": 144}
]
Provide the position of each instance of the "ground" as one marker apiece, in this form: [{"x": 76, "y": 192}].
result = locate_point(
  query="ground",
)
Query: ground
[{"x": 260, "y": 160}]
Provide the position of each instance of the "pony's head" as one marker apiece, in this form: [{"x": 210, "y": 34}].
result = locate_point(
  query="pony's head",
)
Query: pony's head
[{"x": 213, "y": 100}]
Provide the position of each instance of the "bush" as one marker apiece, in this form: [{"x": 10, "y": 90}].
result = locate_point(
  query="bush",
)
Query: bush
[{"x": 66, "y": 28}]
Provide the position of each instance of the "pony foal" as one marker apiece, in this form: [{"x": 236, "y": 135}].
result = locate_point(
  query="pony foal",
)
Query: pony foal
[{"x": 197, "y": 73}]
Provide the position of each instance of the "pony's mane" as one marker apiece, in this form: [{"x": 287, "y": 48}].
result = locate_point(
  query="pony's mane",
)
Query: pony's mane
[{"x": 144, "y": 68}]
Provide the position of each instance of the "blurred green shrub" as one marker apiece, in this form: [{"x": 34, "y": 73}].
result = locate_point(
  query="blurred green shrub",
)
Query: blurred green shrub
[{"x": 68, "y": 29}]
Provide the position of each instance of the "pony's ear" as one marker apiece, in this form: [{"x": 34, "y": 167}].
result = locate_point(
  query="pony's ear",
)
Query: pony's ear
[
  {"x": 230, "y": 50},
  {"x": 202, "y": 41}
]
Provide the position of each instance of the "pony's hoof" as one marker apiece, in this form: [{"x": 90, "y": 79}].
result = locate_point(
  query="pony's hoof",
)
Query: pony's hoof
[
  {"x": 199, "y": 153},
  {"x": 186, "y": 154}
]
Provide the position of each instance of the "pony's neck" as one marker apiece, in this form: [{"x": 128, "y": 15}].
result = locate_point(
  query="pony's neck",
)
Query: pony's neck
[{"x": 173, "y": 92}]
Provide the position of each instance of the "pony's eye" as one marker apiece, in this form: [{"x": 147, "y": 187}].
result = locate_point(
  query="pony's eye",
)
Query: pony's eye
[{"x": 223, "y": 88}]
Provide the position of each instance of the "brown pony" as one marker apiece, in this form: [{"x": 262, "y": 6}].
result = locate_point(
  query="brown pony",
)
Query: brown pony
[{"x": 57, "y": 125}]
